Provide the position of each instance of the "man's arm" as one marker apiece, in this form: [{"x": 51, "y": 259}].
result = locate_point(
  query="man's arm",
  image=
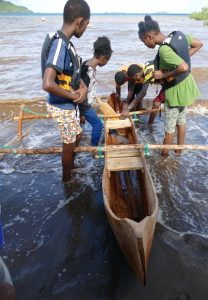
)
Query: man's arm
[
  {"x": 49, "y": 85},
  {"x": 125, "y": 110},
  {"x": 131, "y": 87},
  {"x": 183, "y": 67},
  {"x": 173, "y": 64},
  {"x": 195, "y": 46},
  {"x": 118, "y": 90},
  {"x": 82, "y": 92},
  {"x": 139, "y": 96}
]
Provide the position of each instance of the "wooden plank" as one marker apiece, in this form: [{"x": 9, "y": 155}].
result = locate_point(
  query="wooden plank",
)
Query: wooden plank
[
  {"x": 123, "y": 153},
  {"x": 116, "y": 124},
  {"x": 123, "y": 163},
  {"x": 110, "y": 148},
  {"x": 104, "y": 107},
  {"x": 139, "y": 112}
]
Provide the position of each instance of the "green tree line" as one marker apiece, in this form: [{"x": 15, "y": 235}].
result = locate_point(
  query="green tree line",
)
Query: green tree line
[
  {"x": 202, "y": 15},
  {"x": 8, "y": 7}
]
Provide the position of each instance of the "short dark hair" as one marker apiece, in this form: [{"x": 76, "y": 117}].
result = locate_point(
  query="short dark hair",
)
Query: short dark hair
[
  {"x": 75, "y": 9},
  {"x": 120, "y": 77},
  {"x": 148, "y": 25},
  {"x": 102, "y": 47},
  {"x": 133, "y": 70}
]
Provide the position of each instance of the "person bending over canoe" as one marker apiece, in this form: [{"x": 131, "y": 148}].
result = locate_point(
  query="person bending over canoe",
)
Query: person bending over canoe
[
  {"x": 173, "y": 65},
  {"x": 135, "y": 88},
  {"x": 61, "y": 78},
  {"x": 101, "y": 56},
  {"x": 144, "y": 75},
  {"x": 139, "y": 74}
]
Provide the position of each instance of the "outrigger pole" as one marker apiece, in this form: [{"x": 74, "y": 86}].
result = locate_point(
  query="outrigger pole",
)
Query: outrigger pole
[
  {"x": 146, "y": 147},
  {"x": 46, "y": 116},
  {"x": 35, "y": 115}
]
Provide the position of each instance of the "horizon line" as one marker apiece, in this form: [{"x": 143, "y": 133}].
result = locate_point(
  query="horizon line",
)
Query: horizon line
[{"x": 102, "y": 13}]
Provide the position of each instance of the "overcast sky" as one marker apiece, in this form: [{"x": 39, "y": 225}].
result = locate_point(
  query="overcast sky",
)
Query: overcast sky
[{"x": 128, "y": 6}]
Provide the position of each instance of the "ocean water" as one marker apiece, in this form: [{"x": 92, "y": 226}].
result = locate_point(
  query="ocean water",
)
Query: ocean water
[
  {"x": 49, "y": 226},
  {"x": 22, "y": 37}
]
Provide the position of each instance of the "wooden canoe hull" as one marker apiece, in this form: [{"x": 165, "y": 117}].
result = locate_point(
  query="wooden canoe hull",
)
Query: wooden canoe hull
[{"x": 131, "y": 205}]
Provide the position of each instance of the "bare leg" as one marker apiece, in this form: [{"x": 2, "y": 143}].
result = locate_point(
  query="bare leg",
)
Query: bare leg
[
  {"x": 153, "y": 114},
  {"x": 79, "y": 137},
  {"x": 67, "y": 161},
  {"x": 139, "y": 105},
  {"x": 181, "y": 132},
  {"x": 168, "y": 140}
]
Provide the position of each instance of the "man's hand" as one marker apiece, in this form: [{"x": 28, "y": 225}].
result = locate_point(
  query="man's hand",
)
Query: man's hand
[
  {"x": 117, "y": 102},
  {"x": 133, "y": 105},
  {"x": 125, "y": 111},
  {"x": 81, "y": 93},
  {"x": 82, "y": 119},
  {"x": 158, "y": 74}
]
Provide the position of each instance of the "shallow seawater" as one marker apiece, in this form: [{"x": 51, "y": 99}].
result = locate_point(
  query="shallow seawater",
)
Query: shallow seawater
[
  {"x": 57, "y": 238},
  {"x": 58, "y": 243},
  {"x": 181, "y": 182}
]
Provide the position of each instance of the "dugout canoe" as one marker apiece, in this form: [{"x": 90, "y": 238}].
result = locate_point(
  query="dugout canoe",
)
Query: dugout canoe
[{"x": 129, "y": 195}]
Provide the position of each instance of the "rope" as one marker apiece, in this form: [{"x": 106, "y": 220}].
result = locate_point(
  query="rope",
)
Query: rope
[
  {"x": 8, "y": 147},
  {"x": 135, "y": 117},
  {"x": 146, "y": 150},
  {"x": 33, "y": 112},
  {"x": 100, "y": 152}
]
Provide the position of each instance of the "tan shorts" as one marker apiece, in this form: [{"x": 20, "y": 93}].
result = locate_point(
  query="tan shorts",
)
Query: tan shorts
[
  {"x": 68, "y": 122},
  {"x": 174, "y": 116}
]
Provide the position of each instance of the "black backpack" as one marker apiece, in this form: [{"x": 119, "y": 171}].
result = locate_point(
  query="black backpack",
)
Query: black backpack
[{"x": 76, "y": 60}]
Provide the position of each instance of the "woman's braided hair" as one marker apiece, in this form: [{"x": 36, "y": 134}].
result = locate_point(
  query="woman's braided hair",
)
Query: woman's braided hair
[{"x": 148, "y": 25}]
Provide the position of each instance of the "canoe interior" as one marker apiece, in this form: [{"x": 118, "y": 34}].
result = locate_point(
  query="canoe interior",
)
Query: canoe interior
[
  {"x": 130, "y": 199},
  {"x": 132, "y": 188}
]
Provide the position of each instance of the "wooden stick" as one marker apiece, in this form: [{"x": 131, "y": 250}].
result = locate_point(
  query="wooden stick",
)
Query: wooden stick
[
  {"x": 104, "y": 149},
  {"x": 105, "y": 107},
  {"x": 34, "y": 100},
  {"x": 141, "y": 146},
  {"x": 21, "y": 115},
  {"x": 138, "y": 112},
  {"x": 32, "y": 117},
  {"x": 14, "y": 141}
]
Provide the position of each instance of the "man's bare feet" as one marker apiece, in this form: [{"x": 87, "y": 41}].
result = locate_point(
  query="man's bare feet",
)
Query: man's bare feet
[
  {"x": 165, "y": 153},
  {"x": 177, "y": 152}
]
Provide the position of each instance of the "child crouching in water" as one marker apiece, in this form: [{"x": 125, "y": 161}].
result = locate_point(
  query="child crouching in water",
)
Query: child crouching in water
[{"x": 102, "y": 54}]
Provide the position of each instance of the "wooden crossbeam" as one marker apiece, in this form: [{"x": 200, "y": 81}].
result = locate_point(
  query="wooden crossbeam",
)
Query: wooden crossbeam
[
  {"x": 123, "y": 163},
  {"x": 123, "y": 153},
  {"x": 46, "y": 116},
  {"x": 53, "y": 150},
  {"x": 118, "y": 124}
]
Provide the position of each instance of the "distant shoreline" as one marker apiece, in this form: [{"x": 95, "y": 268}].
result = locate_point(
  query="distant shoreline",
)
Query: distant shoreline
[{"x": 95, "y": 14}]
